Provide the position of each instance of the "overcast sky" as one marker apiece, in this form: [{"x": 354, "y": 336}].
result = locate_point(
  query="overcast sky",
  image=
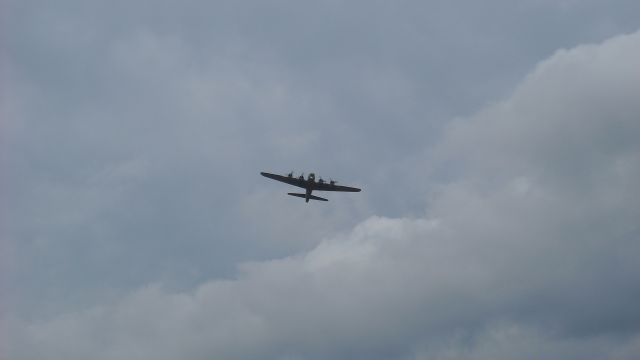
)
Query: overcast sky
[{"x": 496, "y": 143}]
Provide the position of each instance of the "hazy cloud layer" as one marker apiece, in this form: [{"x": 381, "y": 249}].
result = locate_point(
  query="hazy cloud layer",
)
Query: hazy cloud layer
[
  {"x": 135, "y": 130},
  {"x": 528, "y": 249}
]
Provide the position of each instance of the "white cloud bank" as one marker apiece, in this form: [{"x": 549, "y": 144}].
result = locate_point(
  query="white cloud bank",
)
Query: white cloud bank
[{"x": 530, "y": 252}]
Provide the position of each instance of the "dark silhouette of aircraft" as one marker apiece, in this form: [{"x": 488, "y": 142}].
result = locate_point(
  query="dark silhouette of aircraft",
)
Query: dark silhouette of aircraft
[{"x": 309, "y": 184}]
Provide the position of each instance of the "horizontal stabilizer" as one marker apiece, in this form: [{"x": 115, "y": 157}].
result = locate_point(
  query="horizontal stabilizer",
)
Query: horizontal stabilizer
[{"x": 311, "y": 197}]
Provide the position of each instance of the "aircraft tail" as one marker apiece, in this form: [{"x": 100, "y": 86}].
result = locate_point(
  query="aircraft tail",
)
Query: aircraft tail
[{"x": 311, "y": 197}]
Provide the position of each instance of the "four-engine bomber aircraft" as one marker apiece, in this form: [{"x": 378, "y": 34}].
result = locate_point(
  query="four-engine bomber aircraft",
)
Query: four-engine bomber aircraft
[{"x": 309, "y": 185}]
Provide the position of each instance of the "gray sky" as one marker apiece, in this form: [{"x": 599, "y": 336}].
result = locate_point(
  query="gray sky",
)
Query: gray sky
[{"x": 496, "y": 144}]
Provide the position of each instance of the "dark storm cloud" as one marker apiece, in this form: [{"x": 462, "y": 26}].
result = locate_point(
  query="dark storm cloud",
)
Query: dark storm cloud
[{"x": 529, "y": 250}]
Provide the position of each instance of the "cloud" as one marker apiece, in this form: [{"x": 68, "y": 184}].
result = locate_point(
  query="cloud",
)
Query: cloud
[
  {"x": 529, "y": 248},
  {"x": 195, "y": 97}
]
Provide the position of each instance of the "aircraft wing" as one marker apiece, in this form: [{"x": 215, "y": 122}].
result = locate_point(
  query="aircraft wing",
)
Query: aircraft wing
[
  {"x": 285, "y": 179},
  {"x": 329, "y": 187}
]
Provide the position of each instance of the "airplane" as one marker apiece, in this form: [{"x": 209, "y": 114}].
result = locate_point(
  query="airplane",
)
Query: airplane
[{"x": 309, "y": 185}]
